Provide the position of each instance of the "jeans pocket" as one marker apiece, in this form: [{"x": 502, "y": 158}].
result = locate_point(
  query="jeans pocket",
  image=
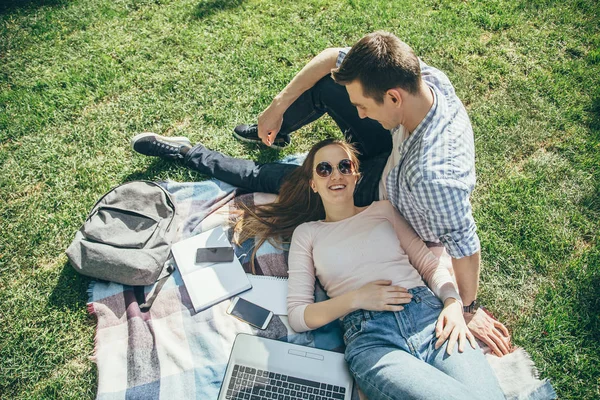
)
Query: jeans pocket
[
  {"x": 431, "y": 300},
  {"x": 353, "y": 329}
]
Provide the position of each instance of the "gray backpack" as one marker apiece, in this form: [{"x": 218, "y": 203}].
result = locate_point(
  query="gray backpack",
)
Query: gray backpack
[{"x": 127, "y": 237}]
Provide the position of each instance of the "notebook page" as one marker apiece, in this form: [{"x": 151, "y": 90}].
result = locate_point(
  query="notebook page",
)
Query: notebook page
[{"x": 269, "y": 292}]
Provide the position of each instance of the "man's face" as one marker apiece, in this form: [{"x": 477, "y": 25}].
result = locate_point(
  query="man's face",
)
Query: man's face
[{"x": 385, "y": 113}]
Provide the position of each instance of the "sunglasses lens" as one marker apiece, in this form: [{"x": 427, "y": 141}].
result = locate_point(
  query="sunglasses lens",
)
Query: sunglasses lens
[
  {"x": 323, "y": 169},
  {"x": 346, "y": 167}
]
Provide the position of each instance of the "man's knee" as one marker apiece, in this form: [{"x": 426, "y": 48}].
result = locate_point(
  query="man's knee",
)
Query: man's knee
[
  {"x": 269, "y": 177},
  {"x": 326, "y": 86}
]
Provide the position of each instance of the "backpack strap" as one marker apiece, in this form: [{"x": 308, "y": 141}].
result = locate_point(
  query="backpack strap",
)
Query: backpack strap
[{"x": 145, "y": 304}]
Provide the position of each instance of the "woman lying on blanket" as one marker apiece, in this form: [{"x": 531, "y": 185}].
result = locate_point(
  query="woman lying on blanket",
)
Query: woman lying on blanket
[{"x": 400, "y": 337}]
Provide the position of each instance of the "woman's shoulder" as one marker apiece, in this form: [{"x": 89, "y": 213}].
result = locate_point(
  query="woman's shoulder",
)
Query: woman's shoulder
[
  {"x": 382, "y": 205},
  {"x": 304, "y": 234},
  {"x": 306, "y": 228},
  {"x": 385, "y": 209}
]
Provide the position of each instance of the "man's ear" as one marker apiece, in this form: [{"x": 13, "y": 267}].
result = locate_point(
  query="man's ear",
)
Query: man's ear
[{"x": 395, "y": 96}]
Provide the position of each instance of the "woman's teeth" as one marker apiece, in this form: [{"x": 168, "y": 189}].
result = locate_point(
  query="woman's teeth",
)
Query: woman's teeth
[{"x": 337, "y": 187}]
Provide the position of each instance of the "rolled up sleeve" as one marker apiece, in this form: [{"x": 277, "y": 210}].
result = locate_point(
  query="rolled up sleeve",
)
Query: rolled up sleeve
[
  {"x": 341, "y": 56},
  {"x": 449, "y": 215}
]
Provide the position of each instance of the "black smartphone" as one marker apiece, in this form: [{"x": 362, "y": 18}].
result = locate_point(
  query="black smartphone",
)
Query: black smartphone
[
  {"x": 214, "y": 254},
  {"x": 250, "y": 313}
]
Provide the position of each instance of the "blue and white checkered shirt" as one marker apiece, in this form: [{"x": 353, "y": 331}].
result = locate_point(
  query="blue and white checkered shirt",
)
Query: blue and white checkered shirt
[{"x": 433, "y": 181}]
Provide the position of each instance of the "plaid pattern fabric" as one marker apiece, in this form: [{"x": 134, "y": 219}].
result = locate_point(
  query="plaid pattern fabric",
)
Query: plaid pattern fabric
[
  {"x": 432, "y": 183},
  {"x": 341, "y": 56},
  {"x": 171, "y": 352}
]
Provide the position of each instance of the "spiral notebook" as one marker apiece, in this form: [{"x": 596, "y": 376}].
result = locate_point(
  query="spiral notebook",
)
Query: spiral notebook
[{"x": 269, "y": 292}]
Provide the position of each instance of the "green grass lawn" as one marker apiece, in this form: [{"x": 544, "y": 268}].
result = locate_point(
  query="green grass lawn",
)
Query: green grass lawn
[{"x": 79, "y": 78}]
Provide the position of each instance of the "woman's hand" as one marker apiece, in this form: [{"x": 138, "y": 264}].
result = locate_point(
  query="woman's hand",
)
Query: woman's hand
[
  {"x": 381, "y": 296},
  {"x": 451, "y": 326}
]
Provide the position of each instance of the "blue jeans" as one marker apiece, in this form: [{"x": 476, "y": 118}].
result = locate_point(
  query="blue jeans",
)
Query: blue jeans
[
  {"x": 373, "y": 142},
  {"x": 392, "y": 356}
]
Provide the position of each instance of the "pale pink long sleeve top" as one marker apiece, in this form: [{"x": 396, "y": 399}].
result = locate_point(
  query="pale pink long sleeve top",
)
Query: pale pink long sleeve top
[{"x": 374, "y": 244}]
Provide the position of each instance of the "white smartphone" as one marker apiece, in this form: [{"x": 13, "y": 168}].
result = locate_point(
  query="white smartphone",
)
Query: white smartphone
[{"x": 250, "y": 313}]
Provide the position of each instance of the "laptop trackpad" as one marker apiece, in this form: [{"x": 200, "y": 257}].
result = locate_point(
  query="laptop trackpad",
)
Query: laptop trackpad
[
  {"x": 306, "y": 354},
  {"x": 315, "y": 356}
]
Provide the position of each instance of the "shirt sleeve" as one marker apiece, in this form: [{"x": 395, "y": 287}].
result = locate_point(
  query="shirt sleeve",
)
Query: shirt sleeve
[
  {"x": 449, "y": 214},
  {"x": 301, "y": 277},
  {"x": 341, "y": 56},
  {"x": 437, "y": 276}
]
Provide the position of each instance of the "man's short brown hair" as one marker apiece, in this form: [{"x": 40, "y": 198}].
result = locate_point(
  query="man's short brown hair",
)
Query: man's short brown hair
[{"x": 380, "y": 61}]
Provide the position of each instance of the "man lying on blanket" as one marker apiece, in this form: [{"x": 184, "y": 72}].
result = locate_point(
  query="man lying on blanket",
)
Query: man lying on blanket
[{"x": 414, "y": 138}]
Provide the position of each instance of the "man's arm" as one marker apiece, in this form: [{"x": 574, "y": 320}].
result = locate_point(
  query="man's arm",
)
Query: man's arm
[
  {"x": 484, "y": 327},
  {"x": 269, "y": 122},
  {"x": 455, "y": 227},
  {"x": 466, "y": 271}
]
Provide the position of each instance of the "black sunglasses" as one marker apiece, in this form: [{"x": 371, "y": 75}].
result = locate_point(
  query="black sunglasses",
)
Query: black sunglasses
[{"x": 345, "y": 166}]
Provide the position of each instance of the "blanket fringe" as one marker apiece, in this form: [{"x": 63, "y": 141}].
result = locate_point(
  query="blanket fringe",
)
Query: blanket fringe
[
  {"x": 533, "y": 368},
  {"x": 92, "y": 311},
  {"x": 90, "y": 291}
]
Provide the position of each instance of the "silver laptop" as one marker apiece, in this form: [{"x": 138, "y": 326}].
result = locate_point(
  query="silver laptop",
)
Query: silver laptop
[{"x": 262, "y": 368}]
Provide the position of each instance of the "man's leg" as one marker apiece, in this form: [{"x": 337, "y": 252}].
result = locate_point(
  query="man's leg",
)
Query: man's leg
[
  {"x": 269, "y": 177},
  {"x": 326, "y": 96},
  {"x": 367, "y": 188},
  {"x": 242, "y": 173},
  {"x": 369, "y": 137}
]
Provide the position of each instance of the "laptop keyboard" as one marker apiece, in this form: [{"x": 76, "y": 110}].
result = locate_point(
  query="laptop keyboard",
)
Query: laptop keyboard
[{"x": 256, "y": 384}]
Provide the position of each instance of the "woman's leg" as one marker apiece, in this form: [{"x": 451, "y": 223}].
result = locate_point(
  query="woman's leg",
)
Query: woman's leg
[
  {"x": 469, "y": 368},
  {"x": 389, "y": 373},
  {"x": 387, "y": 353}
]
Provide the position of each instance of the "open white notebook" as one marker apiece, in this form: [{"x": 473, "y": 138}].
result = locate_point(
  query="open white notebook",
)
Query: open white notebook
[
  {"x": 208, "y": 283},
  {"x": 269, "y": 292}
]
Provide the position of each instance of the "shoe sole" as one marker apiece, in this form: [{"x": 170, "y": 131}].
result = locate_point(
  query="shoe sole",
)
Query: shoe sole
[
  {"x": 180, "y": 140},
  {"x": 273, "y": 146}
]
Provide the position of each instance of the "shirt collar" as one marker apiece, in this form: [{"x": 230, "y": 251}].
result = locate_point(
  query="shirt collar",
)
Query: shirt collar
[{"x": 424, "y": 122}]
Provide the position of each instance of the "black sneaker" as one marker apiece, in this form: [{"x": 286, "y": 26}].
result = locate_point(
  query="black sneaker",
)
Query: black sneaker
[
  {"x": 151, "y": 144},
  {"x": 249, "y": 133}
]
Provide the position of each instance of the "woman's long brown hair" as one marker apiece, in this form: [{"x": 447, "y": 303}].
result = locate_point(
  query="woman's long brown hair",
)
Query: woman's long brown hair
[{"x": 295, "y": 205}]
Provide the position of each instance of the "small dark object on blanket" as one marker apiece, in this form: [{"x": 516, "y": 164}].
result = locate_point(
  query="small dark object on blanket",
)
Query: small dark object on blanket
[{"x": 214, "y": 254}]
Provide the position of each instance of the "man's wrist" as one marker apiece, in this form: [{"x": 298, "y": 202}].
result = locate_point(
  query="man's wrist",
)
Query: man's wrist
[
  {"x": 281, "y": 101},
  {"x": 471, "y": 308}
]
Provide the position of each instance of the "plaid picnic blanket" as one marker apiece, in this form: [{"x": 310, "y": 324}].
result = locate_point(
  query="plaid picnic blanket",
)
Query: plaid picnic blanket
[{"x": 171, "y": 352}]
